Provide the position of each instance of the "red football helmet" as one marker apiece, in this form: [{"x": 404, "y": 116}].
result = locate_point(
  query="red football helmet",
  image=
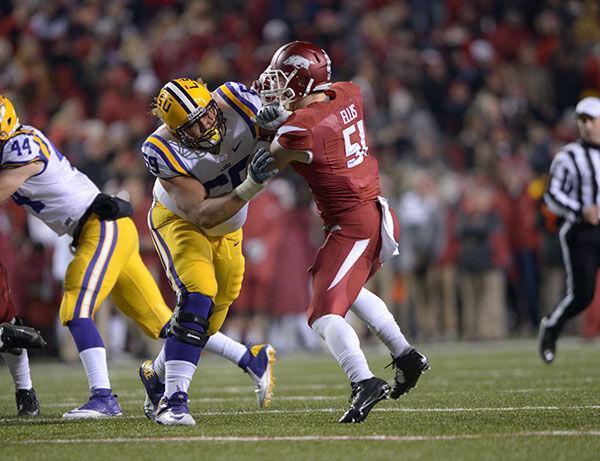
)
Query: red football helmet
[{"x": 296, "y": 70}]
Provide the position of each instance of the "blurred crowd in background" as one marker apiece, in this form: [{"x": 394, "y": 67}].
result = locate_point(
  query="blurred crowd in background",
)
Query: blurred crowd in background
[{"x": 466, "y": 103}]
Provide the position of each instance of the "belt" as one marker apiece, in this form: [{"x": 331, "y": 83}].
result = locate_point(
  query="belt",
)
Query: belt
[{"x": 107, "y": 208}]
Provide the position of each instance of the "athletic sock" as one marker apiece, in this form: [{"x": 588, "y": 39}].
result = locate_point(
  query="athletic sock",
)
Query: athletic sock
[
  {"x": 371, "y": 309},
  {"x": 91, "y": 351},
  {"x": 18, "y": 365},
  {"x": 179, "y": 374},
  {"x": 94, "y": 363},
  {"x": 224, "y": 346},
  {"x": 343, "y": 342}
]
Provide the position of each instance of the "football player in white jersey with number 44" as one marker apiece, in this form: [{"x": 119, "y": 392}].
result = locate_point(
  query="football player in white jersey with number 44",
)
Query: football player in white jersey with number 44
[
  {"x": 106, "y": 258},
  {"x": 208, "y": 163}
]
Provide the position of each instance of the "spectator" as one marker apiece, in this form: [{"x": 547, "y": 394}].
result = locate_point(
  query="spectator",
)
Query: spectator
[{"x": 482, "y": 258}]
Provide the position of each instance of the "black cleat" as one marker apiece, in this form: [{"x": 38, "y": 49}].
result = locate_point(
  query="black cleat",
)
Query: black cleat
[
  {"x": 15, "y": 337},
  {"x": 27, "y": 403},
  {"x": 365, "y": 394},
  {"x": 409, "y": 367},
  {"x": 547, "y": 341}
]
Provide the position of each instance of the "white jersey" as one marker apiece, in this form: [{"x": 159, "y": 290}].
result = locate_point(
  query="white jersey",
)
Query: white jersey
[
  {"x": 60, "y": 194},
  {"x": 219, "y": 173}
]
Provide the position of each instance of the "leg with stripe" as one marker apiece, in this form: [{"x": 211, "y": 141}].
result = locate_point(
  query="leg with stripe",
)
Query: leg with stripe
[
  {"x": 103, "y": 250},
  {"x": 342, "y": 267},
  {"x": 581, "y": 257},
  {"x": 186, "y": 254},
  {"x": 213, "y": 266}
]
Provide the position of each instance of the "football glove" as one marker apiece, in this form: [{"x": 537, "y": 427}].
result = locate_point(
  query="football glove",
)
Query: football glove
[
  {"x": 260, "y": 171},
  {"x": 260, "y": 168},
  {"x": 272, "y": 116}
]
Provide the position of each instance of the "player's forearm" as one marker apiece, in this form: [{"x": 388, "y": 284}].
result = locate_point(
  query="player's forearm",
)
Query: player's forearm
[
  {"x": 214, "y": 211},
  {"x": 12, "y": 178},
  {"x": 9, "y": 183}
]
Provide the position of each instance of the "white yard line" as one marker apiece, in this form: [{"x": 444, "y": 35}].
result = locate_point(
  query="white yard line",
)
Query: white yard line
[
  {"x": 311, "y": 438},
  {"x": 250, "y": 398},
  {"x": 341, "y": 409}
]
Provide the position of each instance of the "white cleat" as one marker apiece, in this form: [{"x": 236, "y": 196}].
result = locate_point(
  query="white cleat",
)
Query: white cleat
[
  {"x": 174, "y": 411},
  {"x": 260, "y": 370},
  {"x": 170, "y": 418}
]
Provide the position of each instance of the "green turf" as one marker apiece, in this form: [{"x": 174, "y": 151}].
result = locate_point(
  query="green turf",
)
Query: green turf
[{"x": 479, "y": 401}]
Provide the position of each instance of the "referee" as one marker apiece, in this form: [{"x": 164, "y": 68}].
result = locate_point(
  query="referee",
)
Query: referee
[{"x": 574, "y": 194}]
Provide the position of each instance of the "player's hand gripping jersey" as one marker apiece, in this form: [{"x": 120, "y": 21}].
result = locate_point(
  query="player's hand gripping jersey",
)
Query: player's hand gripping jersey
[
  {"x": 219, "y": 172},
  {"x": 60, "y": 194}
]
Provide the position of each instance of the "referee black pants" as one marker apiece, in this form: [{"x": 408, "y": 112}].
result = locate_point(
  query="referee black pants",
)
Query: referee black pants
[{"x": 580, "y": 245}]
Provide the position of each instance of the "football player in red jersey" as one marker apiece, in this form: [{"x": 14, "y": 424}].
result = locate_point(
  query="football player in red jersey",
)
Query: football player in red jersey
[
  {"x": 320, "y": 131},
  {"x": 14, "y": 338}
]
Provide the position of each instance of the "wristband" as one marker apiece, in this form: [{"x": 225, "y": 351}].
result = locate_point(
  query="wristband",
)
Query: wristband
[{"x": 249, "y": 188}]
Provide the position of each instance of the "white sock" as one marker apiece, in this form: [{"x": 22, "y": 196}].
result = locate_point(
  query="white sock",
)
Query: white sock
[
  {"x": 159, "y": 365},
  {"x": 224, "y": 346},
  {"x": 94, "y": 363},
  {"x": 371, "y": 309},
  {"x": 343, "y": 342},
  {"x": 179, "y": 374},
  {"x": 18, "y": 366}
]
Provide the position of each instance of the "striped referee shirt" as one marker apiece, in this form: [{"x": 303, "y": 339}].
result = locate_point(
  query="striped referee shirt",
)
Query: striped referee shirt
[{"x": 574, "y": 180}]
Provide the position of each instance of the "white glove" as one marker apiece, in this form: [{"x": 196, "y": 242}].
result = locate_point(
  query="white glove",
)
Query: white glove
[{"x": 272, "y": 116}]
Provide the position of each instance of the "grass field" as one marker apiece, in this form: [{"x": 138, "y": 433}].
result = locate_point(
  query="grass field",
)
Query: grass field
[{"x": 479, "y": 401}]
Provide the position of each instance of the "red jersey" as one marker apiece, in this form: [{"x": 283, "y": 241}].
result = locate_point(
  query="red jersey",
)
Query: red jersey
[{"x": 341, "y": 174}]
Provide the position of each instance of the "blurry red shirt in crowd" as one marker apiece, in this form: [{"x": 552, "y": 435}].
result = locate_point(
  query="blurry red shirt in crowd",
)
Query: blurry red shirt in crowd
[{"x": 263, "y": 236}]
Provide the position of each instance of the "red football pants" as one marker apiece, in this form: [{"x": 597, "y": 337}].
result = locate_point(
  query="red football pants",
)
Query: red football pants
[{"x": 346, "y": 261}]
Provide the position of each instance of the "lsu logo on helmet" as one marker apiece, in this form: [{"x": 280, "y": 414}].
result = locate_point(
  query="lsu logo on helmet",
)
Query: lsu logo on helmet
[{"x": 181, "y": 104}]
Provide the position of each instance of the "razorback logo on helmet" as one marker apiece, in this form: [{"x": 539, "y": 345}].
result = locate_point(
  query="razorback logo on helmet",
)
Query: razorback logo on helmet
[{"x": 298, "y": 62}]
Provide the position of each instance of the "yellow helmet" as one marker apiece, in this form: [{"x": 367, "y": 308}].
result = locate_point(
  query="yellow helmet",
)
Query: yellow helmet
[
  {"x": 8, "y": 118},
  {"x": 182, "y": 103}
]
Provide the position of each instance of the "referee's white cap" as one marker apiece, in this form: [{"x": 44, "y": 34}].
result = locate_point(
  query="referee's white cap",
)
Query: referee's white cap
[{"x": 589, "y": 106}]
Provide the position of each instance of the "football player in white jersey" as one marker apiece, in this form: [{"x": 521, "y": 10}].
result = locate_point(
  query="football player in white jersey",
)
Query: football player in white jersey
[
  {"x": 106, "y": 258},
  {"x": 201, "y": 157}
]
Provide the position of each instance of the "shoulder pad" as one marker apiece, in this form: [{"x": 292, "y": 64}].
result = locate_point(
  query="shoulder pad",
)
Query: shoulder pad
[
  {"x": 242, "y": 100},
  {"x": 161, "y": 158},
  {"x": 23, "y": 147}
]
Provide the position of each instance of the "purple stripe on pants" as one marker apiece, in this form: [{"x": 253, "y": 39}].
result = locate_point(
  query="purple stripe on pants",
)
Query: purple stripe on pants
[
  {"x": 88, "y": 272},
  {"x": 171, "y": 268},
  {"x": 105, "y": 267}
]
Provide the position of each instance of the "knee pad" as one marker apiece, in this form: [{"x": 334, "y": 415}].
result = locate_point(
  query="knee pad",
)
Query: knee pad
[{"x": 190, "y": 319}]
